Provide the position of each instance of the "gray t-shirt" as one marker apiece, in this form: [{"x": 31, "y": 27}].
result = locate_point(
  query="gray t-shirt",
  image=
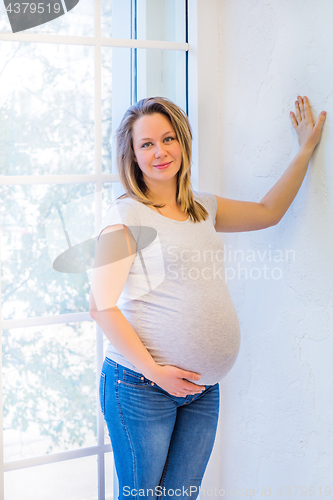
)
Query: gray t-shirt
[{"x": 176, "y": 297}]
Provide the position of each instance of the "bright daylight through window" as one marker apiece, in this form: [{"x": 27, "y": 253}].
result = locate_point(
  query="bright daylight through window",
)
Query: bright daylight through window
[{"x": 65, "y": 85}]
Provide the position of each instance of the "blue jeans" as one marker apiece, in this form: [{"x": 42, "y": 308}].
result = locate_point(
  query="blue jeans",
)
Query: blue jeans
[{"x": 161, "y": 443}]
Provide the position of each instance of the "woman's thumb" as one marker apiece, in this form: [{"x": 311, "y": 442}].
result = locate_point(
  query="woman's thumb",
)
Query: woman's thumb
[
  {"x": 322, "y": 116},
  {"x": 321, "y": 120},
  {"x": 191, "y": 375}
]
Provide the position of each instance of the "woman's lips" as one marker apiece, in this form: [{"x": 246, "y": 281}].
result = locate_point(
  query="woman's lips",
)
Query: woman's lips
[{"x": 163, "y": 165}]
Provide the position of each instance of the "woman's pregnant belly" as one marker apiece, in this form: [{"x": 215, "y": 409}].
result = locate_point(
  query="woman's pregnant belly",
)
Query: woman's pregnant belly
[{"x": 202, "y": 335}]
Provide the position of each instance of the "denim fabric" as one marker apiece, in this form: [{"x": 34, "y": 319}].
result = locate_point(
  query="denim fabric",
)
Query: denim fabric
[{"x": 161, "y": 443}]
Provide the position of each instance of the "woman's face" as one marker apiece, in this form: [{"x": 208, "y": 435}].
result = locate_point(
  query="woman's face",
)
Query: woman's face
[{"x": 156, "y": 149}]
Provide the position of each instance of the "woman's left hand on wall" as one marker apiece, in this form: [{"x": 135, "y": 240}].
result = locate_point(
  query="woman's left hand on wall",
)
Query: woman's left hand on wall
[{"x": 308, "y": 133}]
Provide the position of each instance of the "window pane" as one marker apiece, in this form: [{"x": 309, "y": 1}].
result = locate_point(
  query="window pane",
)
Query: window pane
[
  {"x": 160, "y": 73},
  {"x": 76, "y": 22},
  {"x": 156, "y": 19},
  {"x": 161, "y": 20},
  {"x": 49, "y": 389},
  {"x": 33, "y": 236},
  {"x": 111, "y": 191},
  {"x": 4, "y": 21},
  {"x": 109, "y": 465},
  {"x": 116, "y": 81},
  {"x": 116, "y": 18},
  {"x": 46, "y": 109},
  {"x": 69, "y": 480}
]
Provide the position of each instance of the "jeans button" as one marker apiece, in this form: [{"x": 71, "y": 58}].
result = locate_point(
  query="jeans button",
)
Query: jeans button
[{"x": 153, "y": 383}]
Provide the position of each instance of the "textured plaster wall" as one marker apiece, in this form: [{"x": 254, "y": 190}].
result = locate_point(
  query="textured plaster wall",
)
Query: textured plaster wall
[{"x": 276, "y": 424}]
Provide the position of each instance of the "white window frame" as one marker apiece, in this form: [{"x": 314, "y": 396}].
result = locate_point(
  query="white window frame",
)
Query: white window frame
[
  {"x": 204, "y": 82},
  {"x": 98, "y": 178}
]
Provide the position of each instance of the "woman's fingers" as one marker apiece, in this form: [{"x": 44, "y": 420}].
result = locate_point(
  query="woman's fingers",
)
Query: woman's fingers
[
  {"x": 303, "y": 111},
  {"x": 293, "y": 119},
  {"x": 298, "y": 112},
  {"x": 308, "y": 133},
  {"x": 170, "y": 378},
  {"x": 307, "y": 112},
  {"x": 301, "y": 105}
]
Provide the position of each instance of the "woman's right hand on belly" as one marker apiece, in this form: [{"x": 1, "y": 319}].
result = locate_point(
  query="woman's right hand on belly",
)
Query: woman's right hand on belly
[{"x": 171, "y": 379}]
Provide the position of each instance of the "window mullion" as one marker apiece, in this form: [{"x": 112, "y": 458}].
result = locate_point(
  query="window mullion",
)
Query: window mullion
[
  {"x": 55, "y": 457},
  {"x": 90, "y": 41},
  {"x": 186, "y": 56},
  {"x": 98, "y": 218},
  {"x": 134, "y": 53},
  {"x": 98, "y": 178},
  {"x": 45, "y": 320},
  {"x": 2, "y": 490},
  {"x": 57, "y": 179}
]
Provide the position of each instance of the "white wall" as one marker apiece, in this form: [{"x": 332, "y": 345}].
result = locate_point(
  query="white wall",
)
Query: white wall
[
  {"x": 275, "y": 427},
  {"x": 204, "y": 114}
]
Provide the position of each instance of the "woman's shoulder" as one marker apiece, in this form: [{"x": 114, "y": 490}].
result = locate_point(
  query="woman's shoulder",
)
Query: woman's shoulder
[
  {"x": 208, "y": 200},
  {"x": 198, "y": 195},
  {"x": 125, "y": 202},
  {"x": 205, "y": 197},
  {"x": 122, "y": 211},
  {"x": 125, "y": 198}
]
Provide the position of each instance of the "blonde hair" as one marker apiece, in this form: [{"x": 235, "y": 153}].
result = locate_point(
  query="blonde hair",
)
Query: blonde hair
[{"x": 131, "y": 175}]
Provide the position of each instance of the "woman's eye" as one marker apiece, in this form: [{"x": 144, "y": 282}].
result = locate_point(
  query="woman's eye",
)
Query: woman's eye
[{"x": 148, "y": 144}]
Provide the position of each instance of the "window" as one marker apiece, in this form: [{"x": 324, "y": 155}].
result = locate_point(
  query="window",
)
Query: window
[{"x": 64, "y": 88}]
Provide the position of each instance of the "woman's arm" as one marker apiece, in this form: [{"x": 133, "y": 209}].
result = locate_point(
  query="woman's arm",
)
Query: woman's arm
[
  {"x": 124, "y": 338},
  {"x": 115, "y": 253},
  {"x": 233, "y": 215},
  {"x": 122, "y": 335}
]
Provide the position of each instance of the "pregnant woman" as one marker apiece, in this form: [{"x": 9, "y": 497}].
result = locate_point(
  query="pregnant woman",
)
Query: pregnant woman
[{"x": 159, "y": 294}]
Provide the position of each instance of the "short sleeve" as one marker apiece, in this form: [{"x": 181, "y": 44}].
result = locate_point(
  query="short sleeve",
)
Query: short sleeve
[
  {"x": 209, "y": 201},
  {"x": 122, "y": 212}
]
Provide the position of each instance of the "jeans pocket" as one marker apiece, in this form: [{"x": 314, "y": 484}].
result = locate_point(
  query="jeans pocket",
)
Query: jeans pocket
[
  {"x": 102, "y": 392},
  {"x": 132, "y": 378}
]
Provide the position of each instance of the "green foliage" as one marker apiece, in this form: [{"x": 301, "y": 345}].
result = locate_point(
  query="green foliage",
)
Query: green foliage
[
  {"x": 50, "y": 382},
  {"x": 46, "y": 127}
]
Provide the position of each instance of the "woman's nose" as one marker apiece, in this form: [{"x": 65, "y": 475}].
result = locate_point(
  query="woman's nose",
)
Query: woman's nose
[{"x": 160, "y": 150}]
